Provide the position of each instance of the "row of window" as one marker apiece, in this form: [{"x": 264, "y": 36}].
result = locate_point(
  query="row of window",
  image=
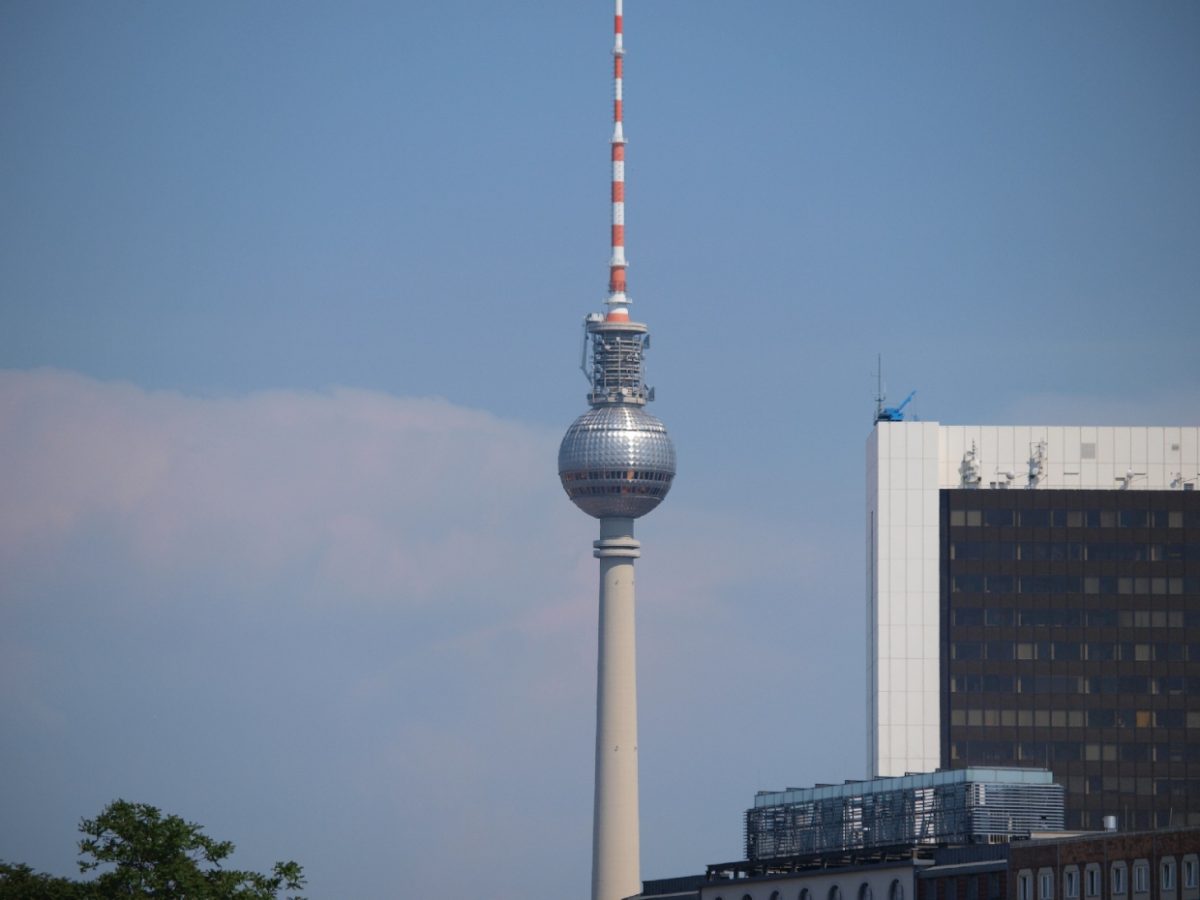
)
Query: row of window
[
  {"x": 983, "y": 752},
  {"x": 1074, "y": 651},
  {"x": 1155, "y": 686},
  {"x": 1008, "y": 617},
  {"x": 1076, "y": 551},
  {"x": 1133, "y": 819},
  {"x": 1077, "y": 718},
  {"x": 1072, "y": 584},
  {"x": 1122, "y": 877},
  {"x": 1075, "y": 518},
  {"x": 641, "y": 490},
  {"x": 896, "y": 892},
  {"x": 1118, "y": 882},
  {"x": 1171, "y": 788},
  {"x": 1049, "y": 753},
  {"x": 1133, "y": 753},
  {"x": 617, "y": 475}
]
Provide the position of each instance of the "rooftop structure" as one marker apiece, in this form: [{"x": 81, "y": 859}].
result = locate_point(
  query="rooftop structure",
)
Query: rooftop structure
[{"x": 963, "y": 806}]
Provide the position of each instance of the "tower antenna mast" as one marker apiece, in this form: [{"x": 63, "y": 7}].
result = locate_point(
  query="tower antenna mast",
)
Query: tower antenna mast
[
  {"x": 618, "y": 300},
  {"x": 880, "y": 397}
]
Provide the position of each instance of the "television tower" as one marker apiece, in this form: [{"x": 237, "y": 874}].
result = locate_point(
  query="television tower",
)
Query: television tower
[{"x": 616, "y": 463}]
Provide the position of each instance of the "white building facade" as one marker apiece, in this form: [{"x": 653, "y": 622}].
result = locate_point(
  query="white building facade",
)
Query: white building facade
[{"x": 908, "y": 463}]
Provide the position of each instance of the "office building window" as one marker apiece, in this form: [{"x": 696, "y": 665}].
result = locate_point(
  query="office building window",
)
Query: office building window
[
  {"x": 1141, "y": 877},
  {"x": 1168, "y": 875},
  {"x": 1118, "y": 878},
  {"x": 1045, "y": 885},
  {"x": 1071, "y": 883},
  {"x": 1093, "y": 880}
]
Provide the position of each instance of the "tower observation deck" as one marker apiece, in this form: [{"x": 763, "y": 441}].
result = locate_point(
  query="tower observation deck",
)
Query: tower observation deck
[{"x": 616, "y": 459}]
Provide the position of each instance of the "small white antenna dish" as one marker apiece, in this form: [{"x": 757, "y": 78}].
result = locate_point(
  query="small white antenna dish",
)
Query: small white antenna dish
[
  {"x": 1003, "y": 479},
  {"x": 1128, "y": 477}
]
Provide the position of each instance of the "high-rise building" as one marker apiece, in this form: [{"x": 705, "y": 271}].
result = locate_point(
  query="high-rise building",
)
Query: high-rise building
[
  {"x": 616, "y": 462},
  {"x": 1034, "y": 600}
]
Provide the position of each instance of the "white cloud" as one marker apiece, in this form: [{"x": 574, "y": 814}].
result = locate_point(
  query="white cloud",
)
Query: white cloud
[
  {"x": 379, "y": 611},
  {"x": 373, "y": 498}
]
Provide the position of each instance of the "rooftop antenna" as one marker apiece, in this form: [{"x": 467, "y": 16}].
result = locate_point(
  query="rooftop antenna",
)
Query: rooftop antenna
[{"x": 879, "y": 394}]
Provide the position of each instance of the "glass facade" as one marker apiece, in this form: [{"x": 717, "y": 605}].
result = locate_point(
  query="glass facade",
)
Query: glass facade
[
  {"x": 948, "y": 807},
  {"x": 1070, "y": 630}
]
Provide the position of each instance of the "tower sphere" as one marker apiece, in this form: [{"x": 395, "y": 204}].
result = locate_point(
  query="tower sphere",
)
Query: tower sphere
[{"x": 616, "y": 461}]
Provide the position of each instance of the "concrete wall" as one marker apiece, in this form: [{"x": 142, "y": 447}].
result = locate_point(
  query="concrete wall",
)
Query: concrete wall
[{"x": 902, "y": 571}]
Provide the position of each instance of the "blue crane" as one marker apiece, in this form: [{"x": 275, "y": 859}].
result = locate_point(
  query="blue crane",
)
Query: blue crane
[{"x": 894, "y": 413}]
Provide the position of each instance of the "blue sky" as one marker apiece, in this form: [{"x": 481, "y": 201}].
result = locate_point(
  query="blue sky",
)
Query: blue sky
[{"x": 290, "y": 304}]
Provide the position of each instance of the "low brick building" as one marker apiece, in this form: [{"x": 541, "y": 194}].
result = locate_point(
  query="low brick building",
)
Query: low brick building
[{"x": 1150, "y": 865}]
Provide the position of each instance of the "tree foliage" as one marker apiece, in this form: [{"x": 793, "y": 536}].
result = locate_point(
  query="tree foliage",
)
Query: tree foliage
[
  {"x": 136, "y": 851},
  {"x": 19, "y": 882}
]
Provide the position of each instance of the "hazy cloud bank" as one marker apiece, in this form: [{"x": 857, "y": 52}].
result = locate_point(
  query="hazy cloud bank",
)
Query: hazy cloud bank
[
  {"x": 350, "y": 627},
  {"x": 373, "y": 498}
]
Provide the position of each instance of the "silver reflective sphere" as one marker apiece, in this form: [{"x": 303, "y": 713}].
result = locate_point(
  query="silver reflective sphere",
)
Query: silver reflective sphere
[{"x": 616, "y": 461}]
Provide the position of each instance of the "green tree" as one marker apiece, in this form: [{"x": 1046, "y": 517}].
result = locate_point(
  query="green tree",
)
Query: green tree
[
  {"x": 153, "y": 855},
  {"x": 19, "y": 882},
  {"x": 136, "y": 851}
]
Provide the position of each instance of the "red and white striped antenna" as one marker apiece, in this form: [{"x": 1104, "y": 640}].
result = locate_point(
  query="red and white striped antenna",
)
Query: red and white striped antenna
[{"x": 618, "y": 302}]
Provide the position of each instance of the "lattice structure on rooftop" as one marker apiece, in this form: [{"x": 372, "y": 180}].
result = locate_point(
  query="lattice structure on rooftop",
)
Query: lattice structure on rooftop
[{"x": 964, "y": 806}]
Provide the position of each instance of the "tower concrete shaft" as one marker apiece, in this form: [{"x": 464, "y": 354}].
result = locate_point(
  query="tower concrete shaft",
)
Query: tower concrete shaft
[{"x": 616, "y": 864}]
